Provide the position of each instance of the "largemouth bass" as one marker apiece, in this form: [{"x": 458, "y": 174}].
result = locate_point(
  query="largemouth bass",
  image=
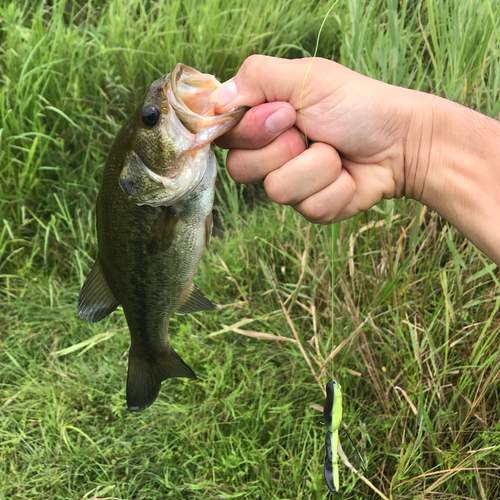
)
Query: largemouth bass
[{"x": 154, "y": 220}]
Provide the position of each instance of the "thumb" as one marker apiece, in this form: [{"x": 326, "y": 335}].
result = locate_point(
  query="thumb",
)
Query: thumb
[{"x": 262, "y": 79}]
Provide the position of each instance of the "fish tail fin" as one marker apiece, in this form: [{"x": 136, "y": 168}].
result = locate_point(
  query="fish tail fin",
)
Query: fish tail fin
[{"x": 145, "y": 377}]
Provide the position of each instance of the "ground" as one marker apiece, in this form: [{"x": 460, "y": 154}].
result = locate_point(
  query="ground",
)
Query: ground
[{"x": 418, "y": 303}]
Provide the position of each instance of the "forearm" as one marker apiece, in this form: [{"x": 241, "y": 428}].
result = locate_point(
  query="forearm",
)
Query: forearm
[{"x": 452, "y": 165}]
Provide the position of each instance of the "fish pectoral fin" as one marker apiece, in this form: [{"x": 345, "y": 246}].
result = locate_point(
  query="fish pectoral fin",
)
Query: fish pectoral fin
[
  {"x": 163, "y": 231},
  {"x": 145, "y": 377},
  {"x": 96, "y": 300},
  {"x": 195, "y": 301}
]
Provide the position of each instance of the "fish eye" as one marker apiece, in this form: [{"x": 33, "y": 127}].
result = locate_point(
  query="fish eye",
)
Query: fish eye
[{"x": 150, "y": 115}]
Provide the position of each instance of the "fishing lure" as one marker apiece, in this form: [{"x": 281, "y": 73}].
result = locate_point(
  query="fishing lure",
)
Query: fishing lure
[{"x": 332, "y": 415}]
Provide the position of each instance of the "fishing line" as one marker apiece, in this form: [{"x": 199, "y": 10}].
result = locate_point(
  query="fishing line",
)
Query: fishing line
[
  {"x": 332, "y": 411},
  {"x": 307, "y": 145},
  {"x": 309, "y": 68}
]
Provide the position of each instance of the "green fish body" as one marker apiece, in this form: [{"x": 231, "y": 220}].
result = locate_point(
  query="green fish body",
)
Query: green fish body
[{"x": 154, "y": 223}]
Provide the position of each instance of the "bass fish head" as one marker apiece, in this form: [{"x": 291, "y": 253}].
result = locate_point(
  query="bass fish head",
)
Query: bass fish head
[{"x": 173, "y": 127}]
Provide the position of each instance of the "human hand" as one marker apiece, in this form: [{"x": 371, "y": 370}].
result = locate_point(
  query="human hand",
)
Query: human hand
[
  {"x": 371, "y": 141},
  {"x": 357, "y": 126}
]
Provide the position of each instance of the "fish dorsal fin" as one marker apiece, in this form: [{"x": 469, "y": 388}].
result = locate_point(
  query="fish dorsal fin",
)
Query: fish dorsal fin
[
  {"x": 163, "y": 231},
  {"x": 145, "y": 376},
  {"x": 96, "y": 300},
  {"x": 195, "y": 301}
]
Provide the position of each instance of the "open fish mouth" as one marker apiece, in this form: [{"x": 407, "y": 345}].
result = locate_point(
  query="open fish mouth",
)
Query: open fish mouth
[
  {"x": 173, "y": 158},
  {"x": 192, "y": 90},
  {"x": 187, "y": 91}
]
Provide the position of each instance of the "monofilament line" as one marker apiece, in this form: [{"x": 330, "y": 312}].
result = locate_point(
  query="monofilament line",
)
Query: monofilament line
[
  {"x": 307, "y": 143},
  {"x": 309, "y": 68}
]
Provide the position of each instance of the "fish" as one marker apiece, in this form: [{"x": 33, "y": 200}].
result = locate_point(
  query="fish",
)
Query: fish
[{"x": 154, "y": 222}]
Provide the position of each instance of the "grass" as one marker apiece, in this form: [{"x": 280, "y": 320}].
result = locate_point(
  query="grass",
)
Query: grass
[{"x": 420, "y": 375}]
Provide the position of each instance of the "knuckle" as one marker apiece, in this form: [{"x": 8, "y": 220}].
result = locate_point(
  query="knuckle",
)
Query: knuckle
[
  {"x": 275, "y": 188},
  {"x": 251, "y": 67},
  {"x": 257, "y": 70},
  {"x": 238, "y": 166},
  {"x": 252, "y": 62},
  {"x": 316, "y": 211},
  {"x": 350, "y": 188},
  {"x": 331, "y": 156},
  {"x": 292, "y": 144}
]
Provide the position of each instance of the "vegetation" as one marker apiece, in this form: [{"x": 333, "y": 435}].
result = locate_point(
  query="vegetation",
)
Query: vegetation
[{"x": 418, "y": 303}]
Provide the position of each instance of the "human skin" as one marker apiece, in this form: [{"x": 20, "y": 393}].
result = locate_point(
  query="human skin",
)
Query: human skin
[{"x": 368, "y": 141}]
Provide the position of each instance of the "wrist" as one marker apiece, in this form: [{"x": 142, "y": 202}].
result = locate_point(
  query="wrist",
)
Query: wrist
[{"x": 452, "y": 165}]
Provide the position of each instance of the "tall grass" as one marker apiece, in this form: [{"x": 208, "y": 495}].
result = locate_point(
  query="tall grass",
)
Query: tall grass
[{"x": 419, "y": 304}]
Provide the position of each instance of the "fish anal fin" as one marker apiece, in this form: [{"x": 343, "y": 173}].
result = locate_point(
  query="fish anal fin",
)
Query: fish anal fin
[
  {"x": 145, "y": 377},
  {"x": 163, "y": 231},
  {"x": 195, "y": 301},
  {"x": 208, "y": 230},
  {"x": 96, "y": 300}
]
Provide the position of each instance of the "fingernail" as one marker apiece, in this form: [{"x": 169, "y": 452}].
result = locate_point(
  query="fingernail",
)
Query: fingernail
[
  {"x": 224, "y": 94},
  {"x": 279, "y": 121}
]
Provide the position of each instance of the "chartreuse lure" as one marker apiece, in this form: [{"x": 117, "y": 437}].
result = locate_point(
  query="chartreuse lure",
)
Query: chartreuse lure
[{"x": 332, "y": 415}]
